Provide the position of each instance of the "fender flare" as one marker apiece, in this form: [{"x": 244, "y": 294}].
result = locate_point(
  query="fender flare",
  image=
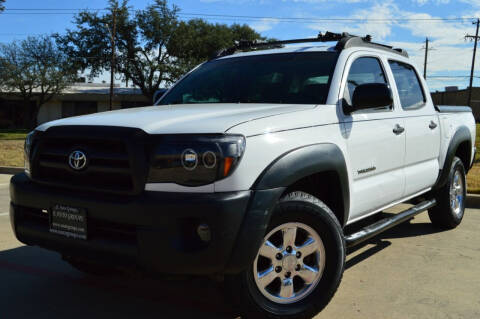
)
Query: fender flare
[
  {"x": 305, "y": 161},
  {"x": 461, "y": 135}
]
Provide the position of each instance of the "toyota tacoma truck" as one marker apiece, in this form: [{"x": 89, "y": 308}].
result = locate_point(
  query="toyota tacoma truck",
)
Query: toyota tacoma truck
[{"x": 250, "y": 167}]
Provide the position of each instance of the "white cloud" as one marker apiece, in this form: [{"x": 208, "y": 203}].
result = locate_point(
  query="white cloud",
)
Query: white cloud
[
  {"x": 386, "y": 20},
  {"x": 320, "y": 1},
  {"x": 442, "y": 58},
  {"x": 449, "y": 51},
  {"x": 475, "y": 3},
  {"x": 423, "y": 2},
  {"x": 264, "y": 24},
  {"x": 369, "y": 23}
]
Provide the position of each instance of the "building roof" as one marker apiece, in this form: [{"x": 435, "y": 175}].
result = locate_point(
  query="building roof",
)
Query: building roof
[
  {"x": 91, "y": 88},
  {"x": 100, "y": 88}
]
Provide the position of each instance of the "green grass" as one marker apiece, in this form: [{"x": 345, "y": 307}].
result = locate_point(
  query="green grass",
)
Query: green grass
[
  {"x": 13, "y": 134},
  {"x": 11, "y": 153},
  {"x": 11, "y": 147},
  {"x": 473, "y": 177}
]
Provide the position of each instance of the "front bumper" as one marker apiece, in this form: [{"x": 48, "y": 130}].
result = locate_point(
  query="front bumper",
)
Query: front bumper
[{"x": 154, "y": 230}]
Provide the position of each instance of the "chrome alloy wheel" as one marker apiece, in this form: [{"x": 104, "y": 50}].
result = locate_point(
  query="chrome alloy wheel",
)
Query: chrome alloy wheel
[
  {"x": 456, "y": 193},
  {"x": 289, "y": 263}
]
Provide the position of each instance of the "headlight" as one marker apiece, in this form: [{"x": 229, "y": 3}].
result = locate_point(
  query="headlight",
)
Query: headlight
[
  {"x": 27, "y": 148},
  {"x": 193, "y": 160}
]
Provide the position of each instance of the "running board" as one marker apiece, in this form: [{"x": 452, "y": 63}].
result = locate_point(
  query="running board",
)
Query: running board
[{"x": 387, "y": 223}]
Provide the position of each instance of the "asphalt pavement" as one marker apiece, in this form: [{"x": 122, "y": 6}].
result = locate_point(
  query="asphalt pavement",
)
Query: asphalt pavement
[{"x": 410, "y": 271}]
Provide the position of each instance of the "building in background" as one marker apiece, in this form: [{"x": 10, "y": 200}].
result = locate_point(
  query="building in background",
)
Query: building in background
[
  {"x": 87, "y": 98},
  {"x": 454, "y": 96},
  {"x": 79, "y": 99}
]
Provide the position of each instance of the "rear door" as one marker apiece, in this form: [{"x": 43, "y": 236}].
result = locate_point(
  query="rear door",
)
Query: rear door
[
  {"x": 376, "y": 153},
  {"x": 422, "y": 129}
]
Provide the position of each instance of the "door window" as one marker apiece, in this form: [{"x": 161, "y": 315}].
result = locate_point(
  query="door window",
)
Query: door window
[
  {"x": 408, "y": 85},
  {"x": 363, "y": 71}
]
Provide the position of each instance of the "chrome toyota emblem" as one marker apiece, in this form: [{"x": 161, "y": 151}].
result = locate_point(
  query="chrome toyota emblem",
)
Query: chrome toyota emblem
[{"x": 77, "y": 160}]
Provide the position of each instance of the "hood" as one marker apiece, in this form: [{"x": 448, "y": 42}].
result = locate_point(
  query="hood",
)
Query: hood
[{"x": 181, "y": 119}]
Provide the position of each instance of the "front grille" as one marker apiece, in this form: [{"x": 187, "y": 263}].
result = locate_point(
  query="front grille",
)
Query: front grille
[{"x": 115, "y": 159}]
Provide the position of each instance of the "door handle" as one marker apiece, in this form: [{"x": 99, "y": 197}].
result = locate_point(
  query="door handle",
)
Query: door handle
[
  {"x": 432, "y": 125},
  {"x": 398, "y": 129}
]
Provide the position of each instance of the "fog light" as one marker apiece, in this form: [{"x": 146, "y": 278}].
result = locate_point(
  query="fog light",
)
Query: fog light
[
  {"x": 209, "y": 159},
  {"x": 204, "y": 233}
]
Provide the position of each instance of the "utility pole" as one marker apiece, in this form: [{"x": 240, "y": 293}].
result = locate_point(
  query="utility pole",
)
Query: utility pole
[
  {"x": 473, "y": 61},
  {"x": 426, "y": 58},
  {"x": 112, "y": 58}
]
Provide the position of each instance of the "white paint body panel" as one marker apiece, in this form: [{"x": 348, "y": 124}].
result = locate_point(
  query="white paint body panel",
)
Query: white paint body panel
[
  {"x": 181, "y": 119},
  {"x": 406, "y": 165}
]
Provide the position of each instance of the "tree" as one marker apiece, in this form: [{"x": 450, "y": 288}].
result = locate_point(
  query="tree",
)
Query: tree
[
  {"x": 153, "y": 48},
  {"x": 35, "y": 69},
  {"x": 141, "y": 40},
  {"x": 196, "y": 40},
  {"x": 2, "y": 6}
]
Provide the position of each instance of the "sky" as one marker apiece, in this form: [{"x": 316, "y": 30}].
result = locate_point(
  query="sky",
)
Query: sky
[{"x": 403, "y": 24}]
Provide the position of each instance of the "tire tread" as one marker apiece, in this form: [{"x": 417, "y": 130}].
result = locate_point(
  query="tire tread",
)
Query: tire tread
[{"x": 310, "y": 205}]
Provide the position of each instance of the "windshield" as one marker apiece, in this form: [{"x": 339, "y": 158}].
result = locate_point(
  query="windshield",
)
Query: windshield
[{"x": 290, "y": 78}]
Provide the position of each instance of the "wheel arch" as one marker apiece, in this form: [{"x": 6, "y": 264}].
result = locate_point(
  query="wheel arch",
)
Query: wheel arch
[
  {"x": 300, "y": 169},
  {"x": 460, "y": 146}
]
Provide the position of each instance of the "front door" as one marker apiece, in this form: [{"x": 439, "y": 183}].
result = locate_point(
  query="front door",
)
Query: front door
[{"x": 375, "y": 140}]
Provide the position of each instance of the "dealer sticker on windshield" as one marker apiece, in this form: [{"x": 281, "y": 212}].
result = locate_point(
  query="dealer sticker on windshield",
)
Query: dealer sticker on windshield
[{"x": 68, "y": 221}]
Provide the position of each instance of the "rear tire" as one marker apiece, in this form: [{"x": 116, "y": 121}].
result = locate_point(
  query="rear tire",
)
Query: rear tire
[
  {"x": 306, "y": 273},
  {"x": 450, "y": 208}
]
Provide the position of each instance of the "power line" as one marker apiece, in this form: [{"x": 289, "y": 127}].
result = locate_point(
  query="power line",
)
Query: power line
[
  {"x": 451, "y": 76},
  {"x": 272, "y": 20},
  {"x": 53, "y": 9},
  {"x": 76, "y": 10},
  {"x": 330, "y": 19}
]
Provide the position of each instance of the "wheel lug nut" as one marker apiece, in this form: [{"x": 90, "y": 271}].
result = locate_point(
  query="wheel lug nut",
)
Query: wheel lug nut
[
  {"x": 289, "y": 249},
  {"x": 279, "y": 256},
  {"x": 299, "y": 254},
  {"x": 278, "y": 269},
  {"x": 297, "y": 268},
  {"x": 288, "y": 274}
]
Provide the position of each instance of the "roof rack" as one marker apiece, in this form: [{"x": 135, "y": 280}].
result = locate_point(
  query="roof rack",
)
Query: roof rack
[{"x": 344, "y": 41}]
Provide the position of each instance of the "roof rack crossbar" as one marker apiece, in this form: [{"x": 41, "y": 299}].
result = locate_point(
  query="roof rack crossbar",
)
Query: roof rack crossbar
[
  {"x": 344, "y": 41},
  {"x": 326, "y": 37}
]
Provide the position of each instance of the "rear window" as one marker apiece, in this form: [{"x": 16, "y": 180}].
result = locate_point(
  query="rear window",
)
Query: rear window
[
  {"x": 287, "y": 78},
  {"x": 408, "y": 85}
]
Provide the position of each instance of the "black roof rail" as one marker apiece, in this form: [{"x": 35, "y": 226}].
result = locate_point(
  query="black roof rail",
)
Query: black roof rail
[{"x": 344, "y": 41}]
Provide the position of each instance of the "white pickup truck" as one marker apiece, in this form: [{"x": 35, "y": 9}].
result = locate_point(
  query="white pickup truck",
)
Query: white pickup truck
[{"x": 251, "y": 166}]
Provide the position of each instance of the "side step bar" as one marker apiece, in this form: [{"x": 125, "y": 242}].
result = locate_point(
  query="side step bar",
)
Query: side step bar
[{"x": 387, "y": 223}]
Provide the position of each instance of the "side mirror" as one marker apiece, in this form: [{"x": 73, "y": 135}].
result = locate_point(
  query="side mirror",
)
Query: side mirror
[
  {"x": 158, "y": 94},
  {"x": 371, "y": 96}
]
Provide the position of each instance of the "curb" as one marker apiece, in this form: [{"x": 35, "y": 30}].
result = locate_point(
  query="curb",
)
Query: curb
[{"x": 11, "y": 170}]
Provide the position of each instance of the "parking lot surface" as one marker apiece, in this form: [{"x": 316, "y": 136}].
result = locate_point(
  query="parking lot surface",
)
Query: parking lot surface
[{"x": 411, "y": 271}]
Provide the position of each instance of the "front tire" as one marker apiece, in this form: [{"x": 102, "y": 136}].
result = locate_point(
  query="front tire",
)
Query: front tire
[
  {"x": 450, "y": 208},
  {"x": 300, "y": 264}
]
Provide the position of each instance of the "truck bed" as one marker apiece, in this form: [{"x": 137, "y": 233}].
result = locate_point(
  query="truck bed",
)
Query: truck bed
[{"x": 453, "y": 109}]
